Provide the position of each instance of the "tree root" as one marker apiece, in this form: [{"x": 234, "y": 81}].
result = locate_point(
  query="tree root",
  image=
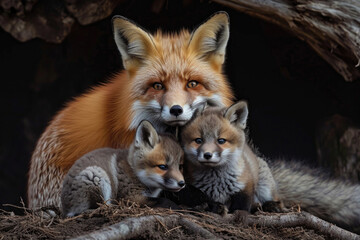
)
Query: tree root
[
  {"x": 132, "y": 227},
  {"x": 136, "y": 226},
  {"x": 298, "y": 219}
]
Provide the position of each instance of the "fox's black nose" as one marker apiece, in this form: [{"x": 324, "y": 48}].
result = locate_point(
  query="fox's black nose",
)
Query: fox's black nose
[
  {"x": 181, "y": 183},
  {"x": 176, "y": 110},
  {"x": 207, "y": 155}
]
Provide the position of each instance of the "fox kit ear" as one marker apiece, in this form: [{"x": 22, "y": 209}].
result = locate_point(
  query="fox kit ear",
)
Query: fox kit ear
[
  {"x": 237, "y": 114},
  {"x": 146, "y": 135},
  {"x": 133, "y": 42},
  {"x": 201, "y": 107},
  {"x": 209, "y": 40}
]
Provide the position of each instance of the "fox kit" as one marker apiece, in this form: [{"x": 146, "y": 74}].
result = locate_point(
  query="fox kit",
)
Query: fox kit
[
  {"x": 166, "y": 77},
  {"x": 220, "y": 162},
  {"x": 223, "y": 166},
  {"x": 152, "y": 164}
]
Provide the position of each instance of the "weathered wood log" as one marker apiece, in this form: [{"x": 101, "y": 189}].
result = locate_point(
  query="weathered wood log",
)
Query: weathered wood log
[
  {"x": 50, "y": 20},
  {"x": 331, "y": 28},
  {"x": 134, "y": 227},
  {"x": 87, "y": 12},
  {"x": 26, "y": 20}
]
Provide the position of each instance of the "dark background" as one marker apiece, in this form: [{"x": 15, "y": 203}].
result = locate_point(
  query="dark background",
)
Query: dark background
[{"x": 290, "y": 89}]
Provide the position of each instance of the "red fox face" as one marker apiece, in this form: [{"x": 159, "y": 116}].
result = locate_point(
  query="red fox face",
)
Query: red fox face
[
  {"x": 215, "y": 137},
  {"x": 171, "y": 75},
  {"x": 157, "y": 159}
]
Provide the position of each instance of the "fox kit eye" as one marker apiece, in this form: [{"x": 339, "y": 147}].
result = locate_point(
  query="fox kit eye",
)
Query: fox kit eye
[
  {"x": 198, "y": 140},
  {"x": 158, "y": 86},
  {"x": 221, "y": 140},
  {"x": 192, "y": 84},
  {"x": 163, "y": 167},
  {"x": 181, "y": 166}
]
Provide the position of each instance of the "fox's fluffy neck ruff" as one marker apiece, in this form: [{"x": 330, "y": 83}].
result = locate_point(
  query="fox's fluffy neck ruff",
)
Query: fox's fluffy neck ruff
[{"x": 220, "y": 182}]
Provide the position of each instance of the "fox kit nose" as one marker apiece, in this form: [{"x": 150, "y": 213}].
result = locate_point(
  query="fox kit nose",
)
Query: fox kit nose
[
  {"x": 176, "y": 110},
  {"x": 207, "y": 155},
  {"x": 181, "y": 183}
]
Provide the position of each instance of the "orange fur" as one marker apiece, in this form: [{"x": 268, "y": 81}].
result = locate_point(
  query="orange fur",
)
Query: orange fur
[{"x": 103, "y": 116}]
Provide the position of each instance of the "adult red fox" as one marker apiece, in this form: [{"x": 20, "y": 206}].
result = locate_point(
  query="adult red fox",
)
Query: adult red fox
[{"x": 166, "y": 77}]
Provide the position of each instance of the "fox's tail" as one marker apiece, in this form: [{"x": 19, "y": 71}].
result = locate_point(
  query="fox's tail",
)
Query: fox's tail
[{"x": 333, "y": 200}]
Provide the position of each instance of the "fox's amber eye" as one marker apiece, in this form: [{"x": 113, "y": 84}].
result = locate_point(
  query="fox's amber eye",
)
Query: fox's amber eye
[
  {"x": 163, "y": 167},
  {"x": 192, "y": 84},
  {"x": 158, "y": 86},
  {"x": 221, "y": 140},
  {"x": 198, "y": 140}
]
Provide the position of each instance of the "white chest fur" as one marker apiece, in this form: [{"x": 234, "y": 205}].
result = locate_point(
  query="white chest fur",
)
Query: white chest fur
[{"x": 219, "y": 183}]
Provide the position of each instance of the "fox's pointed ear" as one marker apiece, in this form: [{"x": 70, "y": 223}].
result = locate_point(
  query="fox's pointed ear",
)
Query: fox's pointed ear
[
  {"x": 209, "y": 40},
  {"x": 237, "y": 114},
  {"x": 133, "y": 42},
  {"x": 146, "y": 135},
  {"x": 200, "y": 108}
]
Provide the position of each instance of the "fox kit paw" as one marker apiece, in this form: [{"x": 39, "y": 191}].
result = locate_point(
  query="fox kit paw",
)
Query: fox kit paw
[
  {"x": 240, "y": 216},
  {"x": 255, "y": 207},
  {"x": 273, "y": 206},
  {"x": 96, "y": 181},
  {"x": 217, "y": 208},
  {"x": 163, "y": 203},
  {"x": 84, "y": 190}
]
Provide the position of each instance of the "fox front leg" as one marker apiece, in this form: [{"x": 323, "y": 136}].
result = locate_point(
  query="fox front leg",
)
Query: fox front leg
[
  {"x": 189, "y": 196},
  {"x": 84, "y": 190},
  {"x": 240, "y": 201},
  {"x": 196, "y": 199}
]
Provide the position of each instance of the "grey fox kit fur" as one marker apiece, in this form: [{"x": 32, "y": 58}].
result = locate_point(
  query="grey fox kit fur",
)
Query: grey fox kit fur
[
  {"x": 153, "y": 163},
  {"x": 222, "y": 165}
]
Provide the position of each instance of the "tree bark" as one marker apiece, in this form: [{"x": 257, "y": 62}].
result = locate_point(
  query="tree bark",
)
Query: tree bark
[
  {"x": 134, "y": 227},
  {"x": 330, "y": 27},
  {"x": 302, "y": 219}
]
